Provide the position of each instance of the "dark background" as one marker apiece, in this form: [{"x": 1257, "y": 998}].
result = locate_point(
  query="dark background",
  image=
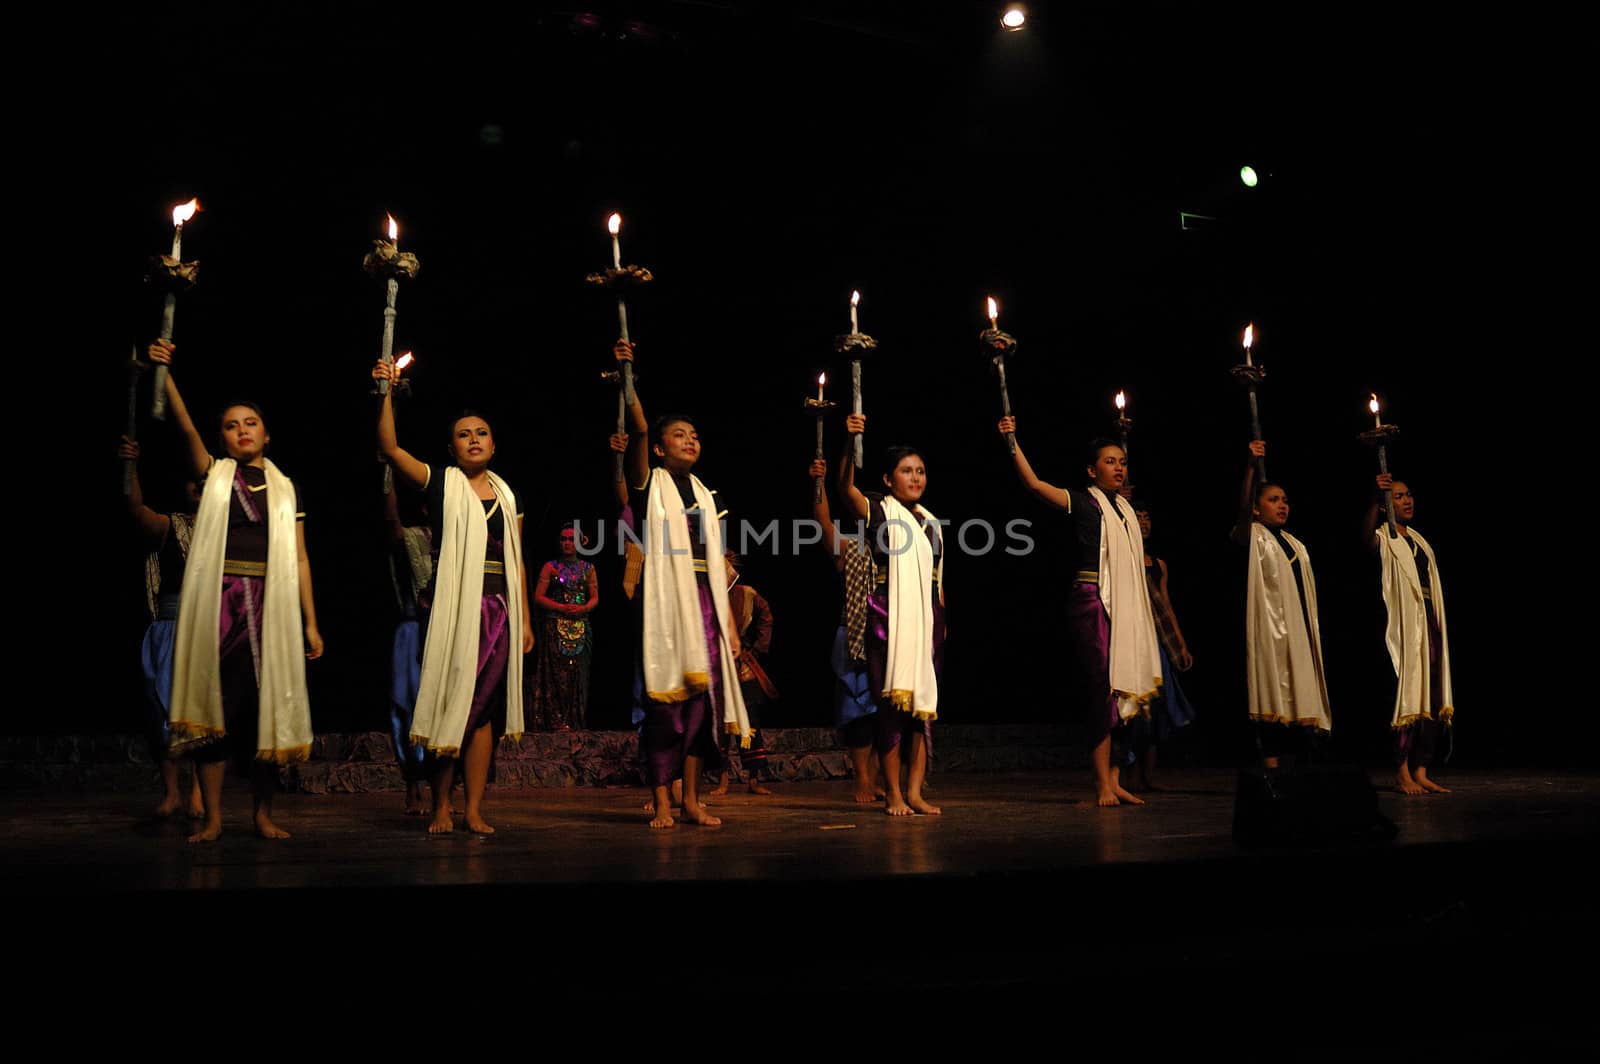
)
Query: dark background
[{"x": 768, "y": 159}]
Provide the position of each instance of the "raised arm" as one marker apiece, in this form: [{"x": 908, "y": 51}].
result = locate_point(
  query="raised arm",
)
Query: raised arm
[
  {"x": 1046, "y": 492},
  {"x": 854, "y": 501},
  {"x": 160, "y": 351},
  {"x": 153, "y": 527},
  {"x": 1247, "y": 495},
  {"x": 1369, "y": 527},
  {"x": 404, "y": 462},
  {"x": 636, "y": 466}
]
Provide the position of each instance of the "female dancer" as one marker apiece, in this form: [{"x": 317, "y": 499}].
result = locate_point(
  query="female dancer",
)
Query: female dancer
[
  {"x": 1171, "y": 711},
  {"x": 752, "y": 618},
  {"x": 239, "y": 675},
  {"x": 477, "y": 623},
  {"x": 1108, "y": 604},
  {"x": 689, "y": 645},
  {"x": 1283, "y": 642},
  {"x": 567, "y": 592},
  {"x": 854, "y": 704},
  {"x": 904, "y": 641},
  {"x": 410, "y": 549},
  {"x": 167, "y": 538},
  {"x": 1417, "y": 638}
]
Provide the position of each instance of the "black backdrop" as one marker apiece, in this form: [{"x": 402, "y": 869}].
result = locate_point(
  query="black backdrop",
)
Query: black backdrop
[{"x": 769, "y": 158}]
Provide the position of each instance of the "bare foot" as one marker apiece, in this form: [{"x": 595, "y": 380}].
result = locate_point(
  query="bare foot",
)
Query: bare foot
[
  {"x": 196, "y": 808},
  {"x": 267, "y": 829},
  {"x": 443, "y": 822},
  {"x": 917, "y": 802},
  {"x": 868, "y": 797},
  {"x": 414, "y": 806},
  {"x": 696, "y": 814},
  {"x": 1405, "y": 784},
  {"x": 1426, "y": 784},
  {"x": 719, "y": 790},
  {"x": 1123, "y": 795},
  {"x": 896, "y": 806},
  {"x": 211, "y": 832},
  {"x": 755, "y": 787},
  {"x": 1107, "y": 797},
  {"x": 168, "y": 806},
  {"x": 662, "y": 819},
  {"x": 477, "y": 825}
]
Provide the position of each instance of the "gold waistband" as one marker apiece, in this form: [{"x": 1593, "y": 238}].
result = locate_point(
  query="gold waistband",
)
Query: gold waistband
[
  {"x": 1087, "y": 576},
  {"x": 232, "y": 567},
  {"x": 700, "y": 566},
  {"x": 492, "y": 566}
]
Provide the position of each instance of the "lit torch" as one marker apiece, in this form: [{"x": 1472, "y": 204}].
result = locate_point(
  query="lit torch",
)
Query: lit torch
[
  {"x": 169, "y": 307},
  {"x": 1251, "y": 375},
  {"x": 820, "y": 406},
  {"x": 1123, "y": 421},
  {"x": 1379, "y": 435},
  {"x": 999, "y": 345}
]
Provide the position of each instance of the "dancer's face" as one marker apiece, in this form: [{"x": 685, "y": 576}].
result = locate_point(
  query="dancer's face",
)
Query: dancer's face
[
  {"x": 1272, "y": 507},
  {"x": 1404, "y": 503},
  {"x": 569, "y": 543},
  {"x": 1110, "y": 469},
  {"x": 679, "y": 447},
  {"x": 472, "y": 444},
  {"x": 1144, "y": 522},
  {"x": 244, "y": 435},
  {"x": 909, "y": 479}
]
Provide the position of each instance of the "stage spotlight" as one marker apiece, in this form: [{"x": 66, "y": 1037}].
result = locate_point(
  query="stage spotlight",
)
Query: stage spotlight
[
  {"x": 1247, "y": 174},
  {"x": 1014, "y": 18}
]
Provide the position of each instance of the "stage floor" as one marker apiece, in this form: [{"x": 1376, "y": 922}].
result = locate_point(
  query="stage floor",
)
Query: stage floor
[
  {"x": 1022, "y": 898},
  {"x": 992, "y": 825}
]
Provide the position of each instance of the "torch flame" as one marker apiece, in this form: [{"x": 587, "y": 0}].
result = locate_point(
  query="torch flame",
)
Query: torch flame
[
  {"x": 394, "y": 229},
  {"x": 994, "y": 309},
  {"x": 1373, "y": 404},
  {"x": 404, "y": 360},
  {"x": 1121, "y": 400},
  {"x": 614, "y": 223},
  {"x": 183, "y": 212},
  {"x": 855, "y": 299},
  {"x": 1249, "y": 334},
  {"x": 822, "y": 378}
]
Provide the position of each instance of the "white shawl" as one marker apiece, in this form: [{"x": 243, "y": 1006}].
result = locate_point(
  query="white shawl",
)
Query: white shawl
[
  {"x": 909, "y": 681},
  {"x": 1135, "y": 659},
  {"x": 450, "y": 655},
  {"x": 676, "y": 660},
  {"x": 1407, "y": 631},
  {"x": 283, "y": 722},
  {"x": 1284, "y": 660}
]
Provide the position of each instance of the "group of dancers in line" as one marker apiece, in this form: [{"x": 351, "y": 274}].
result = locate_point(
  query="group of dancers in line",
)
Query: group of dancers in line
[{"x": 234, "y": 620}]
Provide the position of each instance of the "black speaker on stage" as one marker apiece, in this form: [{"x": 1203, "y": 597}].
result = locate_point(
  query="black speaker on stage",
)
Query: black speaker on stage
[{"x": 1307, "y": 806}]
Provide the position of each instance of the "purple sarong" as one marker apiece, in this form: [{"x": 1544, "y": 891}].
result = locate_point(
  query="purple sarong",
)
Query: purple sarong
[
  {"x": 673, "y": 731},
  {"x": 1092, "y": 627},
  {"x": 238, "y": 661}
]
